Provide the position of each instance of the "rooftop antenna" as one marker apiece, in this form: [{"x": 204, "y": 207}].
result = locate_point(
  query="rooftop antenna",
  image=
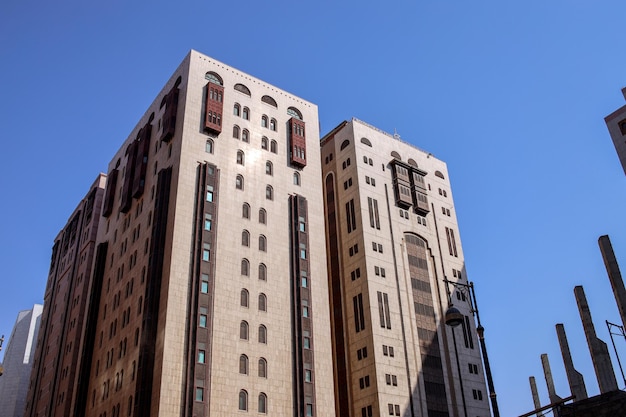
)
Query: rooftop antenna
[{"x": 395, "y": 134}]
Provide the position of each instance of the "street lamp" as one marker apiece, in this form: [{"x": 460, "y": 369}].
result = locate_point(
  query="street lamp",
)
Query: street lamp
[{"x": 454, "y": 317}]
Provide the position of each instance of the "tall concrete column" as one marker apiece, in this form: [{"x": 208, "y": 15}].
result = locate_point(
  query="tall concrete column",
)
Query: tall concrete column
[
  {"x": 575, "y": 378},
  {"x": 549, "y": 381},
  {"x": 535, "y": 394},
  {"x": 615, "y": 276},
  {"x": 597, "y": 348}
]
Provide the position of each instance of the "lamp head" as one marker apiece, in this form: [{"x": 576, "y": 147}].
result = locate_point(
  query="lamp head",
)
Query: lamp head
[{"x": 453, "y": 316}]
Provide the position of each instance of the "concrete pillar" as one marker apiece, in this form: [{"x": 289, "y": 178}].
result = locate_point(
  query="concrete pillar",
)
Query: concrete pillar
[
  {"x": 575, "y": 378},
  {"x": 549, "y": 381},
  {"x": 597, "y": 348},
  {"x": 533, "y": 390},
  {"x": 615, "y": 276}
]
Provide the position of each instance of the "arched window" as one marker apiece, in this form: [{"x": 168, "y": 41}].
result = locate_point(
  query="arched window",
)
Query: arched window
[
  {"x": 366, "y": 141},
  {"x": 241, "y": 158},
  {"x": 213, "y": 78},
  {"x": 412, "y": 162},
  {"x": 262, "y": 216},
  {"x": 273, "y": 124},
  {"x": 262, "y": 302},
  {"x": 396, "y": 155},
  {"x": 293, "y": 112},
  {"x": 245, "y": 211},
  {"x": 440, "y": 175},
  {"x": 262, "y": 272},
  {"x": 242, "y": 89},
  {"x": 243, "y": 330},
  {"x": 237, "y": 109},
  {"x": 344, "y": 145},
  {"x": 245, "y": 136},
  {"x": 264, "y": 143},
  {"x": 262, "y": 334},
  {"x": 236, "y": 131},
  {"x": 262, "y": 368},
  {"x": 245, "y": 238},
  {"x": 269, "y": 100},
  {"x": 243, "y": 400},
  {"x": 262, "y": 243},
  {"x": 269, "y": 192},
  {"x": 245, "y": 114},
  {"x": 208, "y": 147},
  {"x": 243, "y": 364},
  {"x": 244, "y": 297},
  {"x": 296, "y": 178},
  {"x": 269, "y": 170},
  {"x": 245, "y": 267},
  {"x": 274, "y": 146},
  {"x": 264, "y": 121},
  {"x": 262, "y": 403},
  {"x": 239, "y": 182}
]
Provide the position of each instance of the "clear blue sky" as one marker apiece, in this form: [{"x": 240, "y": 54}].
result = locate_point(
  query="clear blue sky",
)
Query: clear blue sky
[{"x": 511, "y": 94}]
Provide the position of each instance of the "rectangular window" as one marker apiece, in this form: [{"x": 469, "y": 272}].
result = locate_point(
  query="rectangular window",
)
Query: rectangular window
[
  {"x": 307, "y": 343},
  {"x": 203, "y": 320},
  {"x": 206, "y": 252},
  {"x": 356, "y": 274},
  {"x": 199, "y": 394},
  {"x": 208, "y": 221},
  {"x": 354, "y": 249},
  {"x": 204, "y": 284},
  {"x": 372, "y": 206},
  {"x": 453, "y": 242},
  {"x": 209, "y": 193},
  {"x": 201, "y": 356},
  {"x": 383, "y": 310},
  {"x": 366, "y": 411},
  {"x": 309, "y": 410},
  {"x": 302, "y": 224},
  {"x": 359, "y": 315},
  {"x": 350, "y": 216},
  {"x": 308, "y": 375}
]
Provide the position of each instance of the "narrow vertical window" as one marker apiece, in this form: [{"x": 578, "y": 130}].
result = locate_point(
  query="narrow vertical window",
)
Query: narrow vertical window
[
  {"x": 206, "y": 252},
  {"x": 262, "y": 302},
  {"x": 269, "y": 169},
  {"x": 262, "y": 272},
  {"x": 262, "y": 368},
  {"x": 240, "y": 158},
  {"x": 237, "y": 109},
  {"x": 245, "y": 136},
  {"x": 264, "y": 143},
  {"x": 245, "y": 211},
  {"x": 245, "y": 267},
  {"x": 262, "y": 216},
  {"x": 296, "y": 178},
  {"x": 243, "y": 364},
  {"x": 201, "y": 356},
  {"x": 236, "y": 131},
  {"x": 243, "y": 330},
  {"x": 244, "y": 297},
  {"x": 262, "y": 334},
  {"x": 243, "y": 400},
  {"x": 350, "y": 216},
  {"x": 239, "y": 182},
  {"x": 269, "y": 192},
  {"x": 262, "y": 243},
  {"x": 273, "y": 146},
  {"x": 262, "y": 403},
  {"x": 208, "y": 221},
  {"x": 208, "y": 147},
  {"x": 245, "y": 238},
  {"x": 245, "y": 114}
]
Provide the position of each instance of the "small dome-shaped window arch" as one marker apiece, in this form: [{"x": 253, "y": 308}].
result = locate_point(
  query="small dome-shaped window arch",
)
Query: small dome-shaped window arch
[
  {"x": 236, "y": 131},
  {"x": 243, "y": 330},
  {"x": 244, "y": 301},
  {"x": 296, "y": 178},
  {"x": 262, "y": 368},
  {"x": 245, "y": 211},
  {"x": 243, "y": 364},
  {"x": 262, "y": 216},
  {"x": 412, "y": 162},
  {"x": 262, "y": 302},
  {"x": 366, "y": 141},
  {"x": 262, "y": 272},
  {"x": 273, "y": 146},
  {"x": 344, "y": 144},
  {"x": 264, "y": 121},
  {"x": 440, "y": 175},
  {"x": 241, "y": 158},
  {"x": 243, "y": 400},
  {"x": 265, "y": 143},
  {"x": 269, "y": 100},
  {"x": 269, "y": 168},
  {"x": 269, "y": 192},
  {"x": 262, "y": 243},
  {"x": 208, "y": 146},
  {"x": 245, "y": 267},
  {"x": 273, "y": 124},
  {"x": 237, "y": 109},
  {"x": 213, "y": 78},
  {"x": 262, "y": 334},
  {"x": 262, "y": 403},
  {"x": 245, "y": 135},
  {"x": 245, "y": 238},
  {"x": 396, "y": 155},
  {"x": 242, "y": 89},
  {"x": 293, "y": 112},
  {"x": 239, "y": 182}
]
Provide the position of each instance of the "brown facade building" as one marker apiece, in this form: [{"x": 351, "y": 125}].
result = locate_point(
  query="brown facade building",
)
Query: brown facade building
[
  {"x": 62, "y": 340},
  {"x": 392, "y": 240}
]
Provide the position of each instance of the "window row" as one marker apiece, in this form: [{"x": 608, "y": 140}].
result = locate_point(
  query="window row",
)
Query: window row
[
  {"x": 245, "y": 269},
  {"x": 245, "y": 213},
  {"x": 269, "y": 190},
  {"x": 244, "y": 332},
  {"x": 244, "y": 366},
  {"x": 245, "y": 300},
  {"x": 268, "y": 123},
  {"x": 242, "y": 401},
  {"x": 245, "y": 240}
]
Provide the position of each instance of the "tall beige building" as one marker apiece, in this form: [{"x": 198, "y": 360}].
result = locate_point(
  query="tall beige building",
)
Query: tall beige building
[
  {"x": 210, "y": 294},
  {"x": 392, "y": 239},
  {"x": 616, "y": 123}
]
